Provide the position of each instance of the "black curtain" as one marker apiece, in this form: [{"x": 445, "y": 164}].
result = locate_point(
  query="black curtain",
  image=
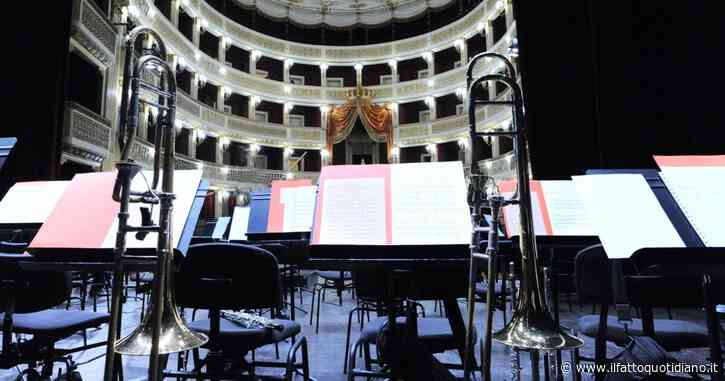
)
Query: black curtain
[{"x": 627, "y": 79}]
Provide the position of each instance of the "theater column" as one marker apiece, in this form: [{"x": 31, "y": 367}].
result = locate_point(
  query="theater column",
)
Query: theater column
[
  {"x": 395, "y": 120},
  {"x": 192, "y": 143},
  {"x": 253, "y": 57},
  {"x": 323, "y": 75},
  {"x": 218, "y": 199},
  {"x": 196, "y": 32},
  {"x": 194, "y": 86},
  {"x": 175, "y": 4},
  {"x": 253, "y": 101},
  {"x": 325, "y": 155},
  {"x": 393, "y": 64},
  {"x": 286, "y": 69},
  {"x": 358, "y": 74}
]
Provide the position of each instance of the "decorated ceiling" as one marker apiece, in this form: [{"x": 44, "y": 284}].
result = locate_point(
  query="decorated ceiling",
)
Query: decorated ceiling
[{"x": 344, "y": 13}]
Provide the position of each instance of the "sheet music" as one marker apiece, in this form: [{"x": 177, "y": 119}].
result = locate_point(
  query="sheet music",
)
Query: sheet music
[
  {"x": 299, "y": 208},
  {"x": 240, "y": 223},
  {"x": 700, "y": 193},
  {"x": 512, "y": 217},
  {"x": 625, "y": 213},
  {"x": 353, "y": 212},
  {"x": 220, "y": 227},
  {"x": 31, "y": 202},
  {"x": 567, "y": 213},
  {"x": 429, "y": 205}
]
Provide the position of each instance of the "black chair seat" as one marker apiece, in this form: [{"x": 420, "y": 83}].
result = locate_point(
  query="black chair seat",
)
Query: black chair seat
[
  {"x": 335, "y": 275},
  {"x": 671, "y": 334},
  {"x": 233, "y": 335},
  {"x": 56, "y": 323},
  {"x": 434, "y": 332}
]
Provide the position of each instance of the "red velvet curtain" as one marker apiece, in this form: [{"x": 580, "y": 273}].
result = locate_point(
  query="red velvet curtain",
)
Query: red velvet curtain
[{"x": 376, "y": 119}]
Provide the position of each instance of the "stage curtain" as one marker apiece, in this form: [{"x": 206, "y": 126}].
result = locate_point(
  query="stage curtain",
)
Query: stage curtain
[{"x": 376, "y": 119}]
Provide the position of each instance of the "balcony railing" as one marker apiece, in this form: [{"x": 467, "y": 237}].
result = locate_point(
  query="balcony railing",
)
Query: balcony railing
[
  {"x": 86, "y": 135},
  {"x": 500, "y": 168}
]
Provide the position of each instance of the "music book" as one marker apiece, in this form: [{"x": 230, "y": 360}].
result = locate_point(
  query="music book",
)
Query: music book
[
  {"x": 556, "y": 209},
  {"x": 292, "y": 206},
  {"x": 625, "y": 214},
  {"x": 31, "y": 202},
  {"x": 697, "y": 183},
  {"x": 220, "y": 227},
  {"x": 396, "y": 204},
  {"x": 240, "y": 223},
  {"x": 85, "y": 217}
]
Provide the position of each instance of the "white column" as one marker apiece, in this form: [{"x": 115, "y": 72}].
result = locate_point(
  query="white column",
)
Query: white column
[
  {"x": 325, "y": 155},
  {"x": 358, "y": 74},
  {"x": 220, "y": 98},
  {"x": 462, "y": 50},
  {"x": 431, "y": 103},
  {"x": 393, "y": 64},
  {"x": 323, "y": 75},
  {"x": 175, "y": 12},
  {"x": 285, "y": 70},
  {"x": 253, "y": 57},
  {"x": 286, "y": 108},
  {"x": 286, "y": 154},
  {"x": 219, "y": 150},
  {"x": 509, "y": 11},
  {"x": 432, "y": 149},
  {"x": 395, "y": 158},
  {"x": 429, "y": 58},
  {"x": 251, "y": 153},
  {"x": 194, "y": 85},
  {"x": 252, "y": 107},
  {"x": 197, "y": 31},
  {"x": 218, "y": 199},
  {"x": 192, "y": 143},
  {"x": 223, "y": 50}
]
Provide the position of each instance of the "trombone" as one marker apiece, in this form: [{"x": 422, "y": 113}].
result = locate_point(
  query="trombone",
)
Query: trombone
[
  {"x": 162, "y": 331},
  {"x": 532, "y": 327}
]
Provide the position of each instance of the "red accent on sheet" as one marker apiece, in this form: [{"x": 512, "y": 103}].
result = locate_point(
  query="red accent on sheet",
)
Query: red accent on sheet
[
  {"x": 83, "y": 216},
  {"x": 355, "y": 172},
  {"x": 275, "y": 219},
  {"x": 538, "y": 192},
  {"x": 691, "y": 161}
]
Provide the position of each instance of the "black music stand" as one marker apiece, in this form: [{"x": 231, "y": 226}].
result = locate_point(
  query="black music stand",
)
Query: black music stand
[{"x": 6, "y": 148}]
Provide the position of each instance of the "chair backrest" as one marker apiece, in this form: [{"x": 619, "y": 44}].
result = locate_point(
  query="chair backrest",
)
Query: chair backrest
[
  {"x": 417, "y": 284},
  {"x": 681, "y": 291},
  {"x": 32, "y": 290},
  {"x": 593, "y": 276},
  {"x": 228, "y": 276}
]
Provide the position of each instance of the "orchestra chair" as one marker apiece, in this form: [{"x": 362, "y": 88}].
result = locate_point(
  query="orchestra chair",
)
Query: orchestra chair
[
  {"x": 714, "y": 294},
  {"x": 645, "y": 291},
  {"x": 435, "y": 333},
  {"x": 226, "y": 276},
  {"x": 28, "y": 299},
  {"x": 367, "y": 302},
  {"x": 331, "y": 280}
]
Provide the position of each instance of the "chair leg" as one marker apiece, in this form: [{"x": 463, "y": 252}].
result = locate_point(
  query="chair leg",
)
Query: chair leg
[
  {"x": 312, "y": 303},
  {"x": 317, "y": 327},
  {"x": 347, "y": 338}
]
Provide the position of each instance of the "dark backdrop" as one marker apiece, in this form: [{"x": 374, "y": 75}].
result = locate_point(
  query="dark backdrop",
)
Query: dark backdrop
[
  {"x": 610, "y": 83},
  {"x": 32, "y": 87}
]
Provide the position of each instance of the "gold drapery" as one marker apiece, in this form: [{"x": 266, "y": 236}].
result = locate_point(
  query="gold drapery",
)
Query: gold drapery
[{"x": 376, "y": 119}]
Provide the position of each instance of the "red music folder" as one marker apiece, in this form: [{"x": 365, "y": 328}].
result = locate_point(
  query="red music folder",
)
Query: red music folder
[
  {"x": 556, "y": 209},
  {"x": 85, "y": 217},
  {"x": 396, "y": 204},
  {"x": 292, "y": 206}
]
